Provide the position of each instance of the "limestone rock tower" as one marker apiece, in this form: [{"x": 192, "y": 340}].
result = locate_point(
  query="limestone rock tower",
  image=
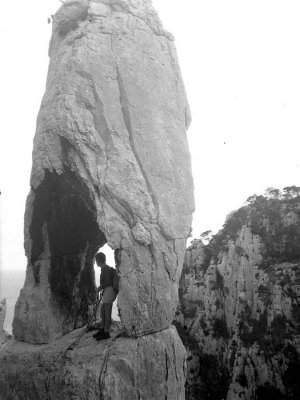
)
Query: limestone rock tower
[{"x": 111, "y": 164}]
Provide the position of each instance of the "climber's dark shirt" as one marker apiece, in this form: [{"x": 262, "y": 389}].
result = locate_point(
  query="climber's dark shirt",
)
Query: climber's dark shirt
[{"x": 105, "y": 277}]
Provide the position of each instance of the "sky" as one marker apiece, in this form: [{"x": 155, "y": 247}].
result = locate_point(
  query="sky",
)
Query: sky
[{"x": 241, "y": 67}]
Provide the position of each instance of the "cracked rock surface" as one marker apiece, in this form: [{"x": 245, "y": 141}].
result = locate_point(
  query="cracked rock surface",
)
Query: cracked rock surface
[
  {"x": 110, "y": 164},
  {"x": 150, "y": 367}
]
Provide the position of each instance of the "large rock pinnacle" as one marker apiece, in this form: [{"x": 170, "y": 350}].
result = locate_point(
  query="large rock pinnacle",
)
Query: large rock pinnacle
[{"x": 110, "y": 164}]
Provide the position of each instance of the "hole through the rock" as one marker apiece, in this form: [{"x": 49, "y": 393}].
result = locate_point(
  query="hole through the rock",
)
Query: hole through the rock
[{"x": 64, "y": 230}]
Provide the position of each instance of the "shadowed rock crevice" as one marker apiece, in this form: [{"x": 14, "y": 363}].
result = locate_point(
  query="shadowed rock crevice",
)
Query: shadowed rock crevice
[
  {"x": 63, "y": 203},
  {"x": 65, "y": 238}
]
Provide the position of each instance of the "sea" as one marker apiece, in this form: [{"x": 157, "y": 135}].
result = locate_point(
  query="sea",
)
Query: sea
[{"x": 11, "y": 282}]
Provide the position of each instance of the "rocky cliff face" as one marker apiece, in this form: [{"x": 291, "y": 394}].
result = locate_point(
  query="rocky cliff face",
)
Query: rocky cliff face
[
  {"x": 110, "y": 165},
  {"x": 239, "y": 305}
]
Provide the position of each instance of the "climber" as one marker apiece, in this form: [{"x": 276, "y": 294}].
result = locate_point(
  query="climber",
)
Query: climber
[{"x": 107, "y": 284}]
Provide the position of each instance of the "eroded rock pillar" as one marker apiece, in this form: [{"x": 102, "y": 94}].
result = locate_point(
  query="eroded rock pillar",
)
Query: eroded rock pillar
[{"x": 110, "y": 164}]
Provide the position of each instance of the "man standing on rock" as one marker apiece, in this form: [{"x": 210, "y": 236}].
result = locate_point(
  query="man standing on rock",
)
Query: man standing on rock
[{"x": 108, "y": 297}]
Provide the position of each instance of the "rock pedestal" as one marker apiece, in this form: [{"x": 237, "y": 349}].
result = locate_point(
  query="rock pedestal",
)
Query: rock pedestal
[
  {"x": 151, "y": 367},
  {"x": 110, "y": 165}
]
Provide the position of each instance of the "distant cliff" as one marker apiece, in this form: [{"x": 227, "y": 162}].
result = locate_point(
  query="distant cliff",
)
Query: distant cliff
[{"x": 239, "y": 304}]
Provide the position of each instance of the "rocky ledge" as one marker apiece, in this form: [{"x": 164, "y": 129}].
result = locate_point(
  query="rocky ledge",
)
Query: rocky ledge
[{"x": 78, "y": 367}]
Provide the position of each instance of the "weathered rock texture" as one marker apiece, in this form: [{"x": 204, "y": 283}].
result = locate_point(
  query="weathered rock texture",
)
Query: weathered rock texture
[
  {"x": 110, "y": 164},
  {"x": 4, "y": 336},
  {"x": 239, "y": 306},
  {"x": 151, "y": 367}
]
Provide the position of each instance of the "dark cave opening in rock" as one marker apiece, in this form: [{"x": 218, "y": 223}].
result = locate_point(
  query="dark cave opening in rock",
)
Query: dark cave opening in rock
[{"x": 64, "y": 229}]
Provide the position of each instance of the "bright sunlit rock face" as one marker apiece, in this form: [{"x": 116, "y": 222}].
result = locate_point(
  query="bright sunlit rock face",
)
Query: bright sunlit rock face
[{"x": 110, "y": 164}]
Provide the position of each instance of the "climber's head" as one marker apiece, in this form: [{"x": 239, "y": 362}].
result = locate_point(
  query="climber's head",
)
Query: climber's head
[{"x": 100, "y": 259}]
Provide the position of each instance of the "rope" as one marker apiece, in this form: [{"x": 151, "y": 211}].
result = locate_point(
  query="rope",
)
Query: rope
[{"x": 96, "y": 305}]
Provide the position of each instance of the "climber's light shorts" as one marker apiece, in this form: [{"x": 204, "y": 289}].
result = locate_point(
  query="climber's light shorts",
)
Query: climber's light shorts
[{"x": 109, "y": 295}]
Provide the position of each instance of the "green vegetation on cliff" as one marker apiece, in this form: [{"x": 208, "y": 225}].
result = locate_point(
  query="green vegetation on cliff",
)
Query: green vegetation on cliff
[
  {"x": 239, "y": 303},
  {"x": 272, "y": 217}
]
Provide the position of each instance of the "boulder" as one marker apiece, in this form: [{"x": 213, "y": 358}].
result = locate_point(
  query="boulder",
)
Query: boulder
[{"x": 111, "y": 164}]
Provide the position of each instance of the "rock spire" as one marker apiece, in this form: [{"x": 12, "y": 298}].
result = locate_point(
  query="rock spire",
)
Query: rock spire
[{"x": 111, "y": 164}]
